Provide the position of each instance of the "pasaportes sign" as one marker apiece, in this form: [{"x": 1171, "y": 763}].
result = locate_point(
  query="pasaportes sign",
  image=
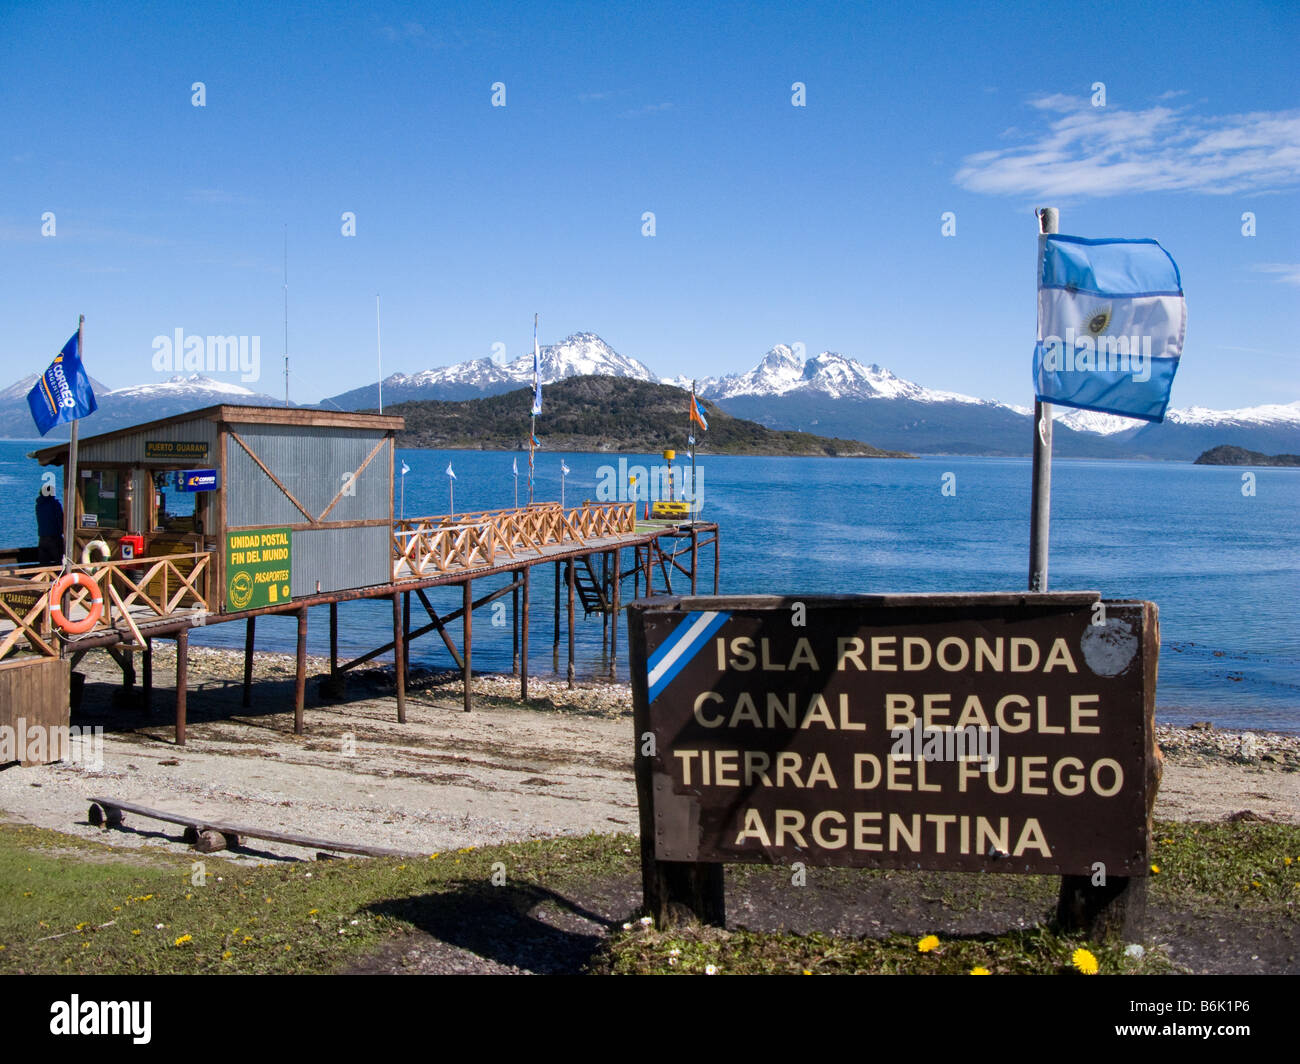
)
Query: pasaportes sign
[
  {"x": 982, "y": 732},
  {"x": 258, "y": 568}
]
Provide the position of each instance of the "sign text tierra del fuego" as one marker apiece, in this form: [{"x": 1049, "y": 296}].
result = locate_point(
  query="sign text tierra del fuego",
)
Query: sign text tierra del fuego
[{"x": 980, "y": 732}]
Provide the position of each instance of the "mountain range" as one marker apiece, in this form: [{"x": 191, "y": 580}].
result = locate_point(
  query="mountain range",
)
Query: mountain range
[
  {"x": 120, "y": 407},
  {"x": 829, "y": 394}
]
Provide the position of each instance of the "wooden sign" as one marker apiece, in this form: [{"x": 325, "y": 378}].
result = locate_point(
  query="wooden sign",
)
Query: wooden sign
[
  {"x": 185, "y": 449},
  {"x": 983, "y": 732}
]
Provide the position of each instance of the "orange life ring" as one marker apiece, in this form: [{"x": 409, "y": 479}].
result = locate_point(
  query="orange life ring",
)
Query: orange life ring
[{"x": 61, "y": 588}]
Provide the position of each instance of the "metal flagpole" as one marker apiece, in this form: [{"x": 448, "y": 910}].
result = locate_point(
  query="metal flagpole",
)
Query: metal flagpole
[
  {"x": 70, "y": 485},
  {"x": 379, "y": 347},
  {"x": 1040, "y": 508},
  {"x": 690, "y": 436},
  {"x": 286, "y": 313},
  {"x": 532, "y": 432}
]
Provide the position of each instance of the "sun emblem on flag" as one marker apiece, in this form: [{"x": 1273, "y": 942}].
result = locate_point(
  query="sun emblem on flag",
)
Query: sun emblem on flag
[{"x": 1099, "y": 322}]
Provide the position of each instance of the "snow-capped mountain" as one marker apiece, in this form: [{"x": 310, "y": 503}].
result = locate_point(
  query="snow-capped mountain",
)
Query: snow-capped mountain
[
  {"x": 781, "y": 372},
  {"x": 1277, "y": 415},
  {"x": 835, "y": 395},
  {"x": 583, "y": 354},
  {"x": 830, "y": 394},
  {"x": 119, "y": 407}
]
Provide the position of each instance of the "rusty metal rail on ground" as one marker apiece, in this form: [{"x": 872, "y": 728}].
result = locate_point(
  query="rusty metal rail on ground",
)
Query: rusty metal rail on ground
[{"x": 208, "y": 836}]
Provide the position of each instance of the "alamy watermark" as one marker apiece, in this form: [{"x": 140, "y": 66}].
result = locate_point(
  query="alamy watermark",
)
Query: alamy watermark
[
  {"x": 1090, "y": 352},
  {"x": 969, "y": 743},
  {"x": 41, "y": 743},
  {"x": 179, "y": 353},
  {"x": 656, "y": 483}
]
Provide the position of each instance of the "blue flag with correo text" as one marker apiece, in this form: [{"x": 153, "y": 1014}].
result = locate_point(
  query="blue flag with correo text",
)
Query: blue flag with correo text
[
  {"x": 63, "y": 392},
  {"x": 1111, "y": 322}
]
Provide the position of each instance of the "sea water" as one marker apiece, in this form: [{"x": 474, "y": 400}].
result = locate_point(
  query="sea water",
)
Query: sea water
[{"x": 1221, "y": 563}]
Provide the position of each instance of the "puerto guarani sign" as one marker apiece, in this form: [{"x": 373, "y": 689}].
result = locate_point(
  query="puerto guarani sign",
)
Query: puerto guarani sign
[{"x": 982, "y": 732}]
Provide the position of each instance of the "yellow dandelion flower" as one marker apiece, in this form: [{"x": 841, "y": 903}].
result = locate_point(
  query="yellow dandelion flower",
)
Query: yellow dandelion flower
[
  {"x": 928, "y": 943},
  {"x": 82, "y": 926},
  {"x": 312, "y": 912},
  {"x": 247, "y": 939},
  {"x": 433, "y": 857},
  {"x": 977, "y": 970},
  {"x": 2, "y": 946},
  {"x": 227, "y": 955},
  {"x": 1084, "y": 962},
  {"x": 1155, "y": 869},
  {"x": 1257, "y": 884},
  {"x": 1286, "y": 861},
  {"x": 287, "y": 947},
  {"x": 28, "y": 893},
  {"x": 136, "y": 931},
  {"x": 183, "y": 940}
]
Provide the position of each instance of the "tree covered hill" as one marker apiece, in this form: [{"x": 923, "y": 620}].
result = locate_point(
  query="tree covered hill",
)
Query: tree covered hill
[{"x": 599, "y": 413}]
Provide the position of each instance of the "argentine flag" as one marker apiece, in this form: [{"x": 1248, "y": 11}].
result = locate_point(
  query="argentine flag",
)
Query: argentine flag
[{"x": 1111, "y": 321}]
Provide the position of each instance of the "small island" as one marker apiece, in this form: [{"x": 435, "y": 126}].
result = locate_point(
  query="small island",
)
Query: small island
[
  {"x": 606, "y": 414},
  {"x": 1226, "y": 454}
]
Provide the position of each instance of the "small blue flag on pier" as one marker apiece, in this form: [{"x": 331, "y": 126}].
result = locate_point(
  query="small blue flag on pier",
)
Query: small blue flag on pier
[
  {"x": 63, "y": 392},
  {"x": 1111, "y": 321}
]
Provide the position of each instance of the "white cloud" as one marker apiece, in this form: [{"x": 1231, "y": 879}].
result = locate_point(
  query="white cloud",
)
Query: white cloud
[
  {"x": 651, "y": 108},
  {"x": 1109, "y": 151},
  {"x": 1287, "y": 272}
]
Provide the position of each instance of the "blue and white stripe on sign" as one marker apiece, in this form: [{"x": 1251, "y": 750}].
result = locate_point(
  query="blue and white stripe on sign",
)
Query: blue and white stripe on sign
[{"x": 687, "y": 640}]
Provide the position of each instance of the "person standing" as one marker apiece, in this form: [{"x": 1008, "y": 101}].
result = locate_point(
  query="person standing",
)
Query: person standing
[{"x": 49, "y": 526}]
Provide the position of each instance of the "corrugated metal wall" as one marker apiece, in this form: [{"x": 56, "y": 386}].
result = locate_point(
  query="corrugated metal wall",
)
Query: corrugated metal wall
[
  {"x": 314, "y": 463},
  {"x": 340, "y": 558},
  {"x": 130, "y": 449},
  {"x": 311, "y": 463}
]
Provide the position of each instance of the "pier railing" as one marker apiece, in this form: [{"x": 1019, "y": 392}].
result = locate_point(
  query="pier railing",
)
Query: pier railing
[
  {"x": 133, "y": 591},
  {"x": 448, "y": 542}
]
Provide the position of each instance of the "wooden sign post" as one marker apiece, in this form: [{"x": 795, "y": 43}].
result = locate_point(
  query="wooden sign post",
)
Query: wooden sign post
[{"x": 977, "y": 733}]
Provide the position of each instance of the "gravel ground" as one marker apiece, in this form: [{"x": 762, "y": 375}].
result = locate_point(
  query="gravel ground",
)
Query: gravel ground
[{"x": 446, "y": 778}]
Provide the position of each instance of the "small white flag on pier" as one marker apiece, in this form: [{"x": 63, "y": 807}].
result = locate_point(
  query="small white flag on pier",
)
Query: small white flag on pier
[{"x": 450, "y": 473}]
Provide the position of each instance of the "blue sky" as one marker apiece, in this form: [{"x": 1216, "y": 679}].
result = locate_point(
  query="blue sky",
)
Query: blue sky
[{"x": 774, "y": 223}]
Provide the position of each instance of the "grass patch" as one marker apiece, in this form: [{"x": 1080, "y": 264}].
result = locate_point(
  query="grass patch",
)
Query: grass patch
[
  {"x": 80, "y": 906},
  {"x": 643, "y": 951},
  {"x": 1247, "y": 865}
]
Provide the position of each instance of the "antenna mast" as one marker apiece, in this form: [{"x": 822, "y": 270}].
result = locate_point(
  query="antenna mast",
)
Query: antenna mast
[{"x": 286, "y": 313}]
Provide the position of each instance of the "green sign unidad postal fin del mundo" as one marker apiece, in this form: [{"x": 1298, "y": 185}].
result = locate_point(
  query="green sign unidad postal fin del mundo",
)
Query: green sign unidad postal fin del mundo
[{"x": 257, "y": 568}]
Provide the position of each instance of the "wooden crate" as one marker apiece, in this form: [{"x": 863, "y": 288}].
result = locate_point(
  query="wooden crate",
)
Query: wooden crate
[{"x": 34, "y": 695}]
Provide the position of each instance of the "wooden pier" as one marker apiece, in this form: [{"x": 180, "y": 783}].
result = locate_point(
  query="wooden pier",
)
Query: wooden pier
[
  {"x": 593, "y": 550},
  {"x": 296, "y": 510}
]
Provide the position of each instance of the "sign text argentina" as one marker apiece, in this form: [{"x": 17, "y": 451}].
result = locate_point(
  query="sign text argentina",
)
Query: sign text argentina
[{"x": 979, "y": 732}]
